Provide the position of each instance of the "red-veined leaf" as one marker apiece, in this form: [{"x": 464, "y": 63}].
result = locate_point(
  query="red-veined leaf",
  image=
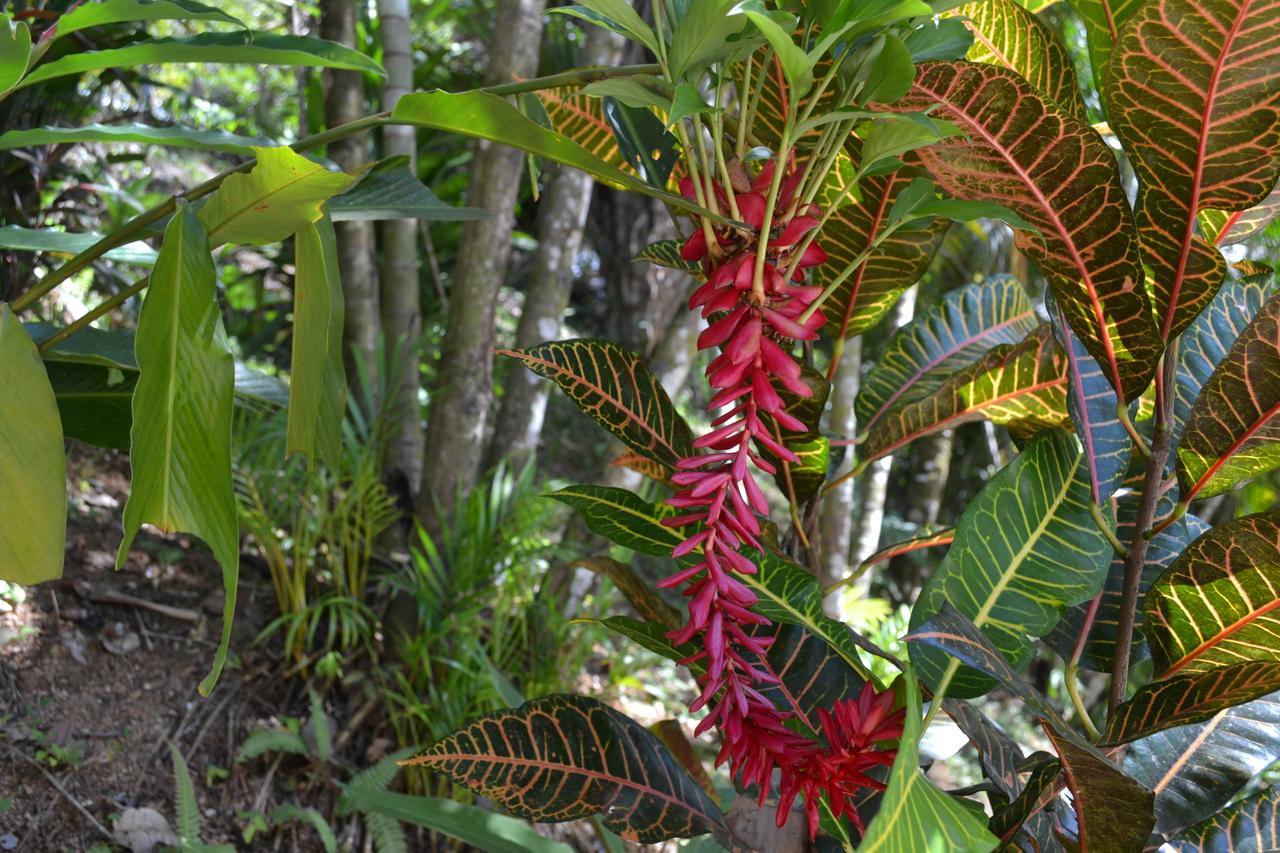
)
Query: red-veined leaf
[
  {"x": 1193, "y": 93},
  {"x": 1226, "y": 229},
  {"x": 1102, "y": 22},
  {"x": 1024, "y": 152},
  {"x": 1113, "y": 811},
  {"x": 1251, "y": 824},
  {"x": 928, "y": 540},
  {"x": 623, "y": 518},
  {"x": 1190, "y": 698},
  {"x": 580, "y": 117}
]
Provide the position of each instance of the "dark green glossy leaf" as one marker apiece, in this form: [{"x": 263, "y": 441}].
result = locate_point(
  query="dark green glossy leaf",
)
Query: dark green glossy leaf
[
  {"x": 70, "y": 243},
  {"x": 1030, "y": 808},
  {"x": 1249, "y": 826},
  {"x": 1113, "y": 811},
  {"x": 622, "y": 517},
  {"x": 1190, "y": 698},
  {"x": 391, "y": 191}
]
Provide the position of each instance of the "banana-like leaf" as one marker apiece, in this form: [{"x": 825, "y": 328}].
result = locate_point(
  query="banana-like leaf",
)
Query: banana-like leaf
[
  {"x": 1113, "y": 812},
  {"x": 1026, "y": 548},
  {"x": 639, "y": 595},
  {"x": 391, "y": 191},
  {"x": 1197, "y": 769},
  {"x": 279, "y": 196},
  {"x": 318, "y": 378},
  {"x": 1199, "y": 350},
  {"x": 135, "y": 132},
  {"x": 1193, "y": 93},
  {"x": 871, "y": 289},
  {"x": 1102, "y": 22},
  {"x": 1230, "y": 434},
  {"x": 1226, "y": 229},
  {"x": 1253, "y": 824},
  {"x": 248, "y": 47},
  {"x": 470, "y": 824},
  {"x": 33, "y": 466},
  {"x": 923, "y": 354},
  {"x": 1056, "y": 172},
  {"x": 570, "y": 757},
  {"x": 1023, "y": 385},
  {"x": 618, "y": 391},
  {"x": 580, "y": 117},
  {"x": 1098, "y": 653},
  {"x": 666, "y": 253},
  {"x": 1219, "y": 603},
  {"x": 1006, "y": 34},
  {"x": 914, "y": 814},
  {"x": 71, "y": 243},
  {"x": 122, "y": 11},
  {"x": 180, "y": 448},
  {"x": 1191, "y": 698},
  {"x": 622, "y": 517}
]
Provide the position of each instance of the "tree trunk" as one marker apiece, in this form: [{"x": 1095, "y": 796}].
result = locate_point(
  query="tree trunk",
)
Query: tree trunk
[
  {"x": 459, "y": 411},
  {"x": 836, "y": 521},
  {"x": 930, "y": 467},
  {"x": 344, "y": 102},
  {"x": 401, "y": 302}
]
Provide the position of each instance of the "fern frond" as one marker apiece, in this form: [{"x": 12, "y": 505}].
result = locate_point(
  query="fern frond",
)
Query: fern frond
[
  {"x": 184, "y": 798},
  {"x": 272, "y": 740},
  {"x": 311, "y": 817}
]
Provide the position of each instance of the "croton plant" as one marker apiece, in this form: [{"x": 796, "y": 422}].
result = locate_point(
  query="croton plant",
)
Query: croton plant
[{"x": 813, "y": 153}]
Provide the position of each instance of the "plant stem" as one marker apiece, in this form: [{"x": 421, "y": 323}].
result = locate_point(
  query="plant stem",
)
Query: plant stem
[
  {"x": 935, "y": 703},
  {"x": 1073, "y": 690},
  {"x": 580, "y": 77},
  {"x": 1100, "y": 520},
  {"x": 103, "y": 308}
]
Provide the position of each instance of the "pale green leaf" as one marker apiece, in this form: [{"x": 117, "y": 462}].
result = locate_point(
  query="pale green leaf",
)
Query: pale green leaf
[
  {"x": 318, "y": 386},
  {"x": 15, "y": 52},
  {"x": 71, "y": 243},
  {"x": 135, "y": 132},
  {"x": 96, "y": 14}
]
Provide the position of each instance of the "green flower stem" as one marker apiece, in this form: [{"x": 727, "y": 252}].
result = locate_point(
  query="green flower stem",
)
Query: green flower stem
[
  {"x": 744, "y": 97},
  {"x": 784, "y": 150},
  {"x": 1077, "y": 702},
  {"x": 847, "y": 271}
]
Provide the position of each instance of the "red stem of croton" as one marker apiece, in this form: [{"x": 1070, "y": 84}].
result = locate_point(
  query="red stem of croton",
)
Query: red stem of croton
[{"x": 755, "y": 324}]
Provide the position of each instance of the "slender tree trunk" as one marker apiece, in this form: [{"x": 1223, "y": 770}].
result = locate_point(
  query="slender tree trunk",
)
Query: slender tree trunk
[
  {"x": 930, "y": 468},
  {"x": 344, "y": 102},
  {"x": 836, "y": 521},
  {"x": 401, "y": 301},
  {"x": 459, "y": 411}
]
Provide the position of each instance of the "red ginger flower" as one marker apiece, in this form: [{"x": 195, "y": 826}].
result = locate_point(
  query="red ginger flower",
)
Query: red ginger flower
[{"x": 754, "y": 322}]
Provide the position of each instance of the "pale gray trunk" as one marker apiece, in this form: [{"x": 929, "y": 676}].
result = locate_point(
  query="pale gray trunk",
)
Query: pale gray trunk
[
  {"x": 836, "y": 521},
  {"x": 344, "y": 102},
  {"x": 930, "y": 468},
  {"x": 459, "y": 410},
  {"x": 401, "y": 303}
]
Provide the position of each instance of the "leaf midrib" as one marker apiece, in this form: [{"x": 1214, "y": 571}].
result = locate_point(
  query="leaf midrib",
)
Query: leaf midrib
[{"x": 1223, "y": 634}]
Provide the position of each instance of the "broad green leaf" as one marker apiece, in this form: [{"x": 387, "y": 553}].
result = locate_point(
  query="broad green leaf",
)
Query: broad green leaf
[
  {"x": 1190, "y": 698},
  {"x": 1231, "y": 432},
  {"x": 59, "y": 242},
  {"x": 1194, "y": 95},
  {"x": 484, "y": 116},
  {"x": 618, "y": 391},
  {"x": 890, "y": 76},
  {"x": 1113, "y": 811},
  {"x": 945, "y": 38},
  {"x": 1057, "y": 173},
  {"x": 1102, "y": 22},
  {"x": 391, "y": 191},
  {"x": 639, "y": 594},
  {"x": 248, "y": 47},
  {"x": 622, "y": 18},
  {"x": 570, "y": 757},
  {"x": 96, "y": 14},
  {"x": 576, "y": 115},
  {"x": 941, "y": 340},
  {"x": 279, "y": 196},
  {"x": 890, "y": 138},
  {"x": 1226, "y": 229},
  {"x": 664, "y": 253},
  {"x": 635, "y": 91},
  {"x": 318, "y": 379},
  {"x": 796, "y": 65},
  {"x": 1022, "y": 385},
  {"x": 622, "y": 517},
  {"x": 1219, "y": 603},
  {"x": 180, "y": 448},
  {"x": 643, "y": 141},
  {"x": 1006, "y": 34},
  {"x": 701, "y": 36},
  {"x": 135, "y": 132},
  {"x": 1199, "y": 350},
  {"x": 914, "y": 815},
  {"x": 33, "y": 466},
  {"x": 1197, "y": 769},
  {"x": 469, "y": 824},
  {"x": 1252, "y": 824},
  {"x": 1026, "y": 548},
  {"x": 687, "y": 102},
  {"x": 861, "y": 214},
  {"x": 15, "y": 52}
]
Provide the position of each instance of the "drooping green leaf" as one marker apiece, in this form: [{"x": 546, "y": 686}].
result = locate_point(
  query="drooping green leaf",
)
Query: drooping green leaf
[
  {"x": 180, "y": 449},
  {"x": 1021, "y": 385},
  {"x": 1252, "y": 824},
  {"x": 33, "y": 466},
  {"x": 1230, "y": 434},
  {"x": 1190, "y": 698},
  {"x": 702, "y": 36},
  {"x": 1006, "y": 34},
  {"x": 1196, "y": 769},
  {"x": 871, "y": 289},
  {"x": 469, "y": 824},
  {"x": 1226, "y": 229},
  {"x": 122, "y": 11},
  {"x": 1055, "y": 171},
  {"x": 622, "y": 517},
  {"x": 1193, "y": 93},
  {"x": 135, "y": 132},
  {"x": 391, "y": 191},
  {"x": 249, "y": 47},
  {"x": 68, "y": 243},
  {"x": 796, "y": 65},
  {"x": 618, "y": 391},
  {"x": 914, "y": 814},
  {"x": 569, "y": 757},
  {"x": 1113, "y": 811},
  {"x": 666, "y": 253},
  {"x": 637, "y": 90},
  {"x": 934, "y": 539},
  {"x": 279, "y": 196},
  {"x": 938, "y": 342},
  {"x": 485, "y": 116},
  {"x": 616, "y": 15},
  {"x": 15, "y": 52},
  {"x": 1219, "y": 603},
  {"x": 318, "y": 379},
  {"x": 1025, "y": 549}
]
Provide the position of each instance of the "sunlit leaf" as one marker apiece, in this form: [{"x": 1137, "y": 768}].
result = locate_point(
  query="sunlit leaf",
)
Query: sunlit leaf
[
  {"x": 622, "y": 517},
  {"x": 56, "y": 241},
  {"x": 136, "y": 133},
  {"x": 97, "y": 14},
  {"x": 391, "y": 191},
  {"x": 15, "y": 52},
  {"x": 580, "y": 117},
  {"x": 1226, "y": 229}
]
